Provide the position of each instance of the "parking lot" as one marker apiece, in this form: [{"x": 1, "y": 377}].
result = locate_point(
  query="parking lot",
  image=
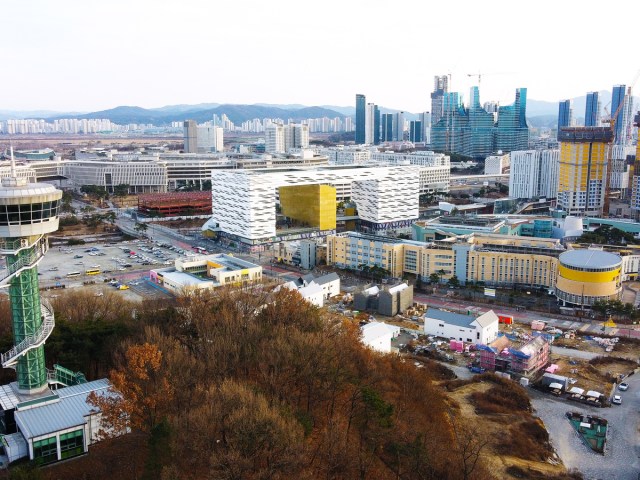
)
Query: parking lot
[
  {"x": 92, "y": 266},
  {"x": 621, "y": 460}
]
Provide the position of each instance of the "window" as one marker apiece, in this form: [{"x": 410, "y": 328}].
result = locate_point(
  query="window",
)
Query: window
[
  {"x": 46, "y": 450},
  {"x": 71, "y": 444},
  {"x": 477, "y": 335}
]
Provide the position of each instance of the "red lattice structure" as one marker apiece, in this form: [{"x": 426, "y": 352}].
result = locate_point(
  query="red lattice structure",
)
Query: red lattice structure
[{"x": 175, "y": 203}]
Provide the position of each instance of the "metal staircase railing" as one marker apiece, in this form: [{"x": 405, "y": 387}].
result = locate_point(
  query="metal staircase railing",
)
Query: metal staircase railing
[
  {"x": 10, "y": 358},
  {"x": 24, "y": 263},
  {"x": 63, "y": 376}
]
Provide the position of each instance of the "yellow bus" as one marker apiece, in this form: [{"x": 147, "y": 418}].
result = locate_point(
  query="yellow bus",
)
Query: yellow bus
[{"x": 92, "y": 271}]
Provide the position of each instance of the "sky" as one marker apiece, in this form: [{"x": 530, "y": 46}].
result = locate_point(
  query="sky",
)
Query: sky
[{"x": 89, "y": 55}]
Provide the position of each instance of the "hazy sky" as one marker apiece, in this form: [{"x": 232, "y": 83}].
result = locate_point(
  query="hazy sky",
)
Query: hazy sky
[{"x": 89, "y": 55}]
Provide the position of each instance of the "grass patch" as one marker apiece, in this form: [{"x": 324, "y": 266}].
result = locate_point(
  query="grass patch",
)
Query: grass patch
[
  {"x": 533, "y": 474},
  {"x": 504, "y": 397},
  {"x": 528, "y": 440}
]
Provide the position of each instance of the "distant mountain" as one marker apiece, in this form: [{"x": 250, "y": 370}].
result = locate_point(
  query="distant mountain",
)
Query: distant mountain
[
  {"x": 18, "y": 115},
  {"x": 185, "y": 107},
  {"x": 237, "y": 113},
  {"x": 347, "y": 111},
  {"x": 543, "y": 121}
]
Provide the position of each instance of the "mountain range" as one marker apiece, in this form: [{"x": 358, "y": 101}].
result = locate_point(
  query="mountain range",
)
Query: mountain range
[{"x": 539, "y": 112}]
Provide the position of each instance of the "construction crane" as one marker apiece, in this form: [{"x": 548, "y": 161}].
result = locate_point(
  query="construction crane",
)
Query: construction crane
[{"x": 609, "y": 164}]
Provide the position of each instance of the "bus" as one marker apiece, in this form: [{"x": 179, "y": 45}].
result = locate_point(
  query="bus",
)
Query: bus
[
  {"x": 73, "y": 274},
  {"x": 92, "y": 271}
]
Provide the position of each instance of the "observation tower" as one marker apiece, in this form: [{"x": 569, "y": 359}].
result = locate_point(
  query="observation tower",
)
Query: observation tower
[{"x": 28, "y": 213}]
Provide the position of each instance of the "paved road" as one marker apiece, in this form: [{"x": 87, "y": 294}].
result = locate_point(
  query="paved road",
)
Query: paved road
[
  {"x": 621, "y": 461},
  {"x": 586, "y": 327},
  {"x": 572, "y": 352}
]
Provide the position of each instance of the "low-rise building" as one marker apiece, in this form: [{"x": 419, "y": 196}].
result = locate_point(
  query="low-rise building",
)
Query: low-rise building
[
  {"x": 206, "y": 272},
  {"x": 378, "y": 336},
  {"x": 466, "y": 328},
  {"x": 316, "y": 289},
  {"x": 501, "y": 356}
]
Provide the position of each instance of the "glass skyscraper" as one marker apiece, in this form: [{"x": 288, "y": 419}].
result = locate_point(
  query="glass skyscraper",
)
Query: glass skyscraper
[
  {"x": 361, "y": 114},
  {"x": 473, "y": 132},
  {"x": 624, "y": 118},
  {"x": 592, "y": 110},
  {"x": 565, "y": 114}
]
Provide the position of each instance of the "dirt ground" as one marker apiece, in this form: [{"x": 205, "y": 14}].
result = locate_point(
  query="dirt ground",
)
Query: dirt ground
[{"x": 492, "y": 427}]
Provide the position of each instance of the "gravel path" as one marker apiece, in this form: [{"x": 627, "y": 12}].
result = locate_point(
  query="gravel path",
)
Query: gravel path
[
  {"x": 621, "y": 461},
  {"x": 572, "y": 352}
]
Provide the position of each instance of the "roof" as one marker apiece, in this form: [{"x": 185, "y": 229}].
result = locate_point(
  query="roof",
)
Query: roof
[
  {"x": 308, "y": 278},
  {"x": 487, "y": 318},
  {"x": 328, "y": 278},
  {"x": 398, "y": 288},
  {"x": 309, "y": 290},
  {"x": 533, "y": 346},
  {"x": 184, "y": 279},
  {"x": 590, "y": 259},
  {"x": 450, "y": 317},
  {"x": 374, "y": 330},
  {"x": 69, "y": 411}
]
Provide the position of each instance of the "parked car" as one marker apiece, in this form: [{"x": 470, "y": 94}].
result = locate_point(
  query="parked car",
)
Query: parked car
[
  {"x": 623, "y": 386},
  {"x": 617, "y": 400},
  {"x": 476, "y": 369}
]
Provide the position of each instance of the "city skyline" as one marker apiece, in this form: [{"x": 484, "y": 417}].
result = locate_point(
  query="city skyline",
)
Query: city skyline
[{"x": 73, "y": 55}]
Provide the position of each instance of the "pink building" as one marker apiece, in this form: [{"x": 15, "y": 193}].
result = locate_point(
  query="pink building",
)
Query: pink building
[{"x": 499, "y": 356}]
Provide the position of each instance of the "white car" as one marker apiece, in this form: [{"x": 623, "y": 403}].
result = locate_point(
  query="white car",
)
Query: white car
[
  {"x": 617, "y": 400},
  {"x": 623, "y": 387}
]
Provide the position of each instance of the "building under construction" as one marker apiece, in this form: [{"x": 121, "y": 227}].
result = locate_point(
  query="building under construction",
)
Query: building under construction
[{"x": 175, "y": 203}]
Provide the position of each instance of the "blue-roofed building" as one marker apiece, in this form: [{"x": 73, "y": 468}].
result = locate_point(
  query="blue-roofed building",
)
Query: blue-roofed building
[
  {"x": 55, "y": 425},
  {"x": 456, "y": 326}
]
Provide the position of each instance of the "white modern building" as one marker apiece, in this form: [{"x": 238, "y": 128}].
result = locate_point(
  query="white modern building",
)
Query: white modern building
[
  {"x": 378, "y": 336},
  {"x": 496, "y": 164},
  {"x": 244, "y": 202},
  {"x": 315, "y": 290},
  {"x": 141, "y": 176},
  {"x": 205, "y": 273},
  {"x": 466, "y": 328},
  {"x": 341, "y": 155},
  {"x": 534, "y": 173}
]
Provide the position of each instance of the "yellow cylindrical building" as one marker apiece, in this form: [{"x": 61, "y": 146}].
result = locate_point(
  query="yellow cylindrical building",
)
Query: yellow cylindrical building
[{"x": 586, "y": 276}]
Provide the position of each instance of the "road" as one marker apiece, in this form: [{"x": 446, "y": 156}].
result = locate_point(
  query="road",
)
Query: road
[
  {"x": 587, "y": 327},
  {"x": 621, "y": 461}
]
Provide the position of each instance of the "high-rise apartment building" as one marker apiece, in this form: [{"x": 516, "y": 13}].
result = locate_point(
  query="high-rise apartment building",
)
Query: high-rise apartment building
[
  {"x": 440, "y": 87},
  {"x": 370, "y": 123},
  {"x": 635, "y": 184},
  {"x": 425, "y": 118},
  {"x": 534, "y": 173},
  {"x": 280, "y": 138},
  {"x": 416, "y": 131},
  {"x": 376, "y": 125},
  {"x": 565, "y": 114},
  {"x": 209, "y": 139},
  {"x": 624, "y": 118},
  {"x": 386, "y": 134},
  {"x": 190, "y": 136},
  {"x": 398, "y": 134},
  {"x": 592, "y": 110},
  {"x": 512, "y": 130},
  {"x": 361, "y": 113},
  {"x": 583, "y": 169}
]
